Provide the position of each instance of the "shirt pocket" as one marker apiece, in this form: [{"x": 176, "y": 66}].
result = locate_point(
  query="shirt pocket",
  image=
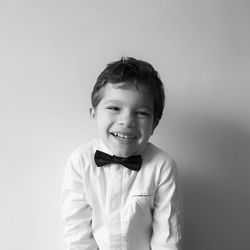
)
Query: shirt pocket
[{"x": 142, "y": 203}]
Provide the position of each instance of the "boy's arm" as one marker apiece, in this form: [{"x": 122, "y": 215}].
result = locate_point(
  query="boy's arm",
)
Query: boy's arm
[
  {"x": 76, "y": 213},
  {"x": 167, "y": 212}
]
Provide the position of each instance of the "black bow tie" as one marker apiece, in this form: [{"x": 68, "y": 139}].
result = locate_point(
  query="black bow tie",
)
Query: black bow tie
[{"x": 131, "y": 162}]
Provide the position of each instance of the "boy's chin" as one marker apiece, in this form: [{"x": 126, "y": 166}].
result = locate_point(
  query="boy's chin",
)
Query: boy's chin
[{"x": 125, "y": 152}]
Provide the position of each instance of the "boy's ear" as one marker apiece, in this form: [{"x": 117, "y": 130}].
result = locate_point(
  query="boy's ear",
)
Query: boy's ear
[
  {"x": 92, "y": 113},
  {"x": 153, "y": 129},
  {"x": 154, "y": 126}
]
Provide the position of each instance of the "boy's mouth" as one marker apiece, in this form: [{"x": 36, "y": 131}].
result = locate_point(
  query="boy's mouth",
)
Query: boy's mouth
[{"x": 123, "y": 136}]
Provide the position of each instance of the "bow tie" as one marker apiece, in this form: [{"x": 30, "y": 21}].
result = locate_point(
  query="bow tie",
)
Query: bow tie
[{"x": 131, "y": 162}]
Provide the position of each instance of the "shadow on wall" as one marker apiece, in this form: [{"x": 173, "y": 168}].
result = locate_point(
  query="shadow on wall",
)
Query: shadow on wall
[{"x": 216, "y": 186}]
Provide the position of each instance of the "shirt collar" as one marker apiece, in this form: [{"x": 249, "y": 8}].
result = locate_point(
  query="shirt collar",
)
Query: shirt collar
[{"x": 102, "y": 146}]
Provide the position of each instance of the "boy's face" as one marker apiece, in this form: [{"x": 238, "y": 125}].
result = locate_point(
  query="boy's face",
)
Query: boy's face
[{"x": 124, "y": 118}]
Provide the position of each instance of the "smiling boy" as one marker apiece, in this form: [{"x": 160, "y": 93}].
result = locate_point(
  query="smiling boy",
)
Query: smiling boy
[
  {"x": 120, "y": 191},
  {"x": 124, "y": 118}
]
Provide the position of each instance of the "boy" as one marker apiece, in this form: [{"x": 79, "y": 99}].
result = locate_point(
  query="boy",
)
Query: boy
[{"x": 120, "y": 191}]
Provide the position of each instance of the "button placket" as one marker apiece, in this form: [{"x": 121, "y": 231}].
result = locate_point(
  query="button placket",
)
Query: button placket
[{"x": 115, "y": 207}]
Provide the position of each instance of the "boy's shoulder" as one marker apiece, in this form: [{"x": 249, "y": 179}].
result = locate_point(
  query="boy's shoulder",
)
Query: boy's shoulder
[
  {"x": 157, "y": 152},
  {"x": 156, "y": 156}
]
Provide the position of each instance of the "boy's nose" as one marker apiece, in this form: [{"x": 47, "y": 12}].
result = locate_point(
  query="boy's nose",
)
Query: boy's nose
[{"x": 127, "y": 119}]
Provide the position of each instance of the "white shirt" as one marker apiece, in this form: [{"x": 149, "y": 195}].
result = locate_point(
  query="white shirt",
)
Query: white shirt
[{"x": 113, "y": 207}]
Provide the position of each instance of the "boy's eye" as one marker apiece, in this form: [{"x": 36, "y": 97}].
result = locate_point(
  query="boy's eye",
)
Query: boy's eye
[{"x": 113, "y": 108}]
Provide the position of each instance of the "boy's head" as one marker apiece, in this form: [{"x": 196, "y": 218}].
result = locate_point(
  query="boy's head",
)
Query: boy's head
[
  {"x": 127, "y": 104},
  {"x": 135, "y": 72}
]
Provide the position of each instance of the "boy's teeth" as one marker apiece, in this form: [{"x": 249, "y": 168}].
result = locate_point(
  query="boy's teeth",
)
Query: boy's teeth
[{"x": 124, "y": 136}]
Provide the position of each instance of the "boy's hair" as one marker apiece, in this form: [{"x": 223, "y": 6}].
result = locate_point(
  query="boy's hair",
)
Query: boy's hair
[{"x": 132, "y": 71}]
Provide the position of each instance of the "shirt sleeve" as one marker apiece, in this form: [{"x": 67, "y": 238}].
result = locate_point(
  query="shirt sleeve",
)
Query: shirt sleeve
[
  {"x": 167, "y": 211},
  {"x": 76, "y": 212}
]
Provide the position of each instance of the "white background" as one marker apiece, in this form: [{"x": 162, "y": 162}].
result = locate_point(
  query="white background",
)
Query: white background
[{"x": 51, "y": 53}]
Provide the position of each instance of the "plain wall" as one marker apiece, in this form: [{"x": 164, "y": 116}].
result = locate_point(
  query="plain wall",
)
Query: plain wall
[{"x": 51, "y": 52}]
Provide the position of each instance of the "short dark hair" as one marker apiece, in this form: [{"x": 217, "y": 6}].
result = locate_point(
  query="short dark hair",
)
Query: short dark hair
[{"x": 132, "y": 71}]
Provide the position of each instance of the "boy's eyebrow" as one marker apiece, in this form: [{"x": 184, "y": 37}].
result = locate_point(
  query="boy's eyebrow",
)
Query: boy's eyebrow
[
  {"x": 112, "y": 101},
  {"x": 149, "y": 109}
]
